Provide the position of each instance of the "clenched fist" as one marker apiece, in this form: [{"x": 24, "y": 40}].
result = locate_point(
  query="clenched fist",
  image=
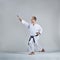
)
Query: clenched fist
[{"x": 19, "y": 18}]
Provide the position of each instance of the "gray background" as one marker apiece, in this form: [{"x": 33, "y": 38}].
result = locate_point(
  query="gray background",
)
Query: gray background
[{"x": 14, "y": 35}]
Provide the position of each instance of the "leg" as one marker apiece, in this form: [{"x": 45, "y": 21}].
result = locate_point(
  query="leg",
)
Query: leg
[
  {"x": 37, "y": 47},
  {"x": 31, "y": 47}
]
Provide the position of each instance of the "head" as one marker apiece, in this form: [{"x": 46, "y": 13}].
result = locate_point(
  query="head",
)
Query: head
[{"x": 33, "y": 20}]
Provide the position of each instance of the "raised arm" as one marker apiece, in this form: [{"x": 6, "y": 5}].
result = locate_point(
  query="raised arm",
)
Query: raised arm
[{"x": 23, "y": 21}]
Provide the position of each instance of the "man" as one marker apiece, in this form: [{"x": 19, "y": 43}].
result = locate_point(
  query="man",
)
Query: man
[{"x": 35, "y": 30}]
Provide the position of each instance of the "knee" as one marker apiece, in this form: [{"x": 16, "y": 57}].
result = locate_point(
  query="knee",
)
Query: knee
[{"x": 29, "y": 43}]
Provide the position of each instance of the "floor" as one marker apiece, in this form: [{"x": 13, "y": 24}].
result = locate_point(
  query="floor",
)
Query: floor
[{"x": 25, "y": 56}]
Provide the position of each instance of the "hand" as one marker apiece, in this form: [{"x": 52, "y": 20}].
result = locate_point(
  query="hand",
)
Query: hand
[
  {"x": 37, "y": 33},
  {"x": 19, "y": 18}
]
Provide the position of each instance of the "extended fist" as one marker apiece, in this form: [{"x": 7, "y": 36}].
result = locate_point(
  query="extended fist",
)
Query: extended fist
[{"x": 19, "y": 18}]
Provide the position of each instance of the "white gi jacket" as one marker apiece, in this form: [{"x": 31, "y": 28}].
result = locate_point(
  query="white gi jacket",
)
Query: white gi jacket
[{"x": 33, "y": 28}]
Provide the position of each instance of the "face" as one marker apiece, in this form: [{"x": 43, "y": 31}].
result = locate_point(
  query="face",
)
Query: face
[{"x": 32, "y": 20}]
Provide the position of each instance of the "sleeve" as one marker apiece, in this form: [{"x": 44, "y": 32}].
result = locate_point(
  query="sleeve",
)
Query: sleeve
[
  {"x": 25, "y": 23},
  {"x": 40, "y": 29}
]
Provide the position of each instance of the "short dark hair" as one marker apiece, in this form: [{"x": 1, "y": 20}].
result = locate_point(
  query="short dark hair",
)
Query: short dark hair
[{"x": 34, "y": 17}]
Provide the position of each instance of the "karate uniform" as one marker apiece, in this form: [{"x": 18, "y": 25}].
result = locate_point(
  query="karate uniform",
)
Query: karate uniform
[{"x": 33, "y": 46}]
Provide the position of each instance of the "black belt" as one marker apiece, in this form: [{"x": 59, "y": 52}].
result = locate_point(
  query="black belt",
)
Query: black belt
[{"x": 33, "y": 38}]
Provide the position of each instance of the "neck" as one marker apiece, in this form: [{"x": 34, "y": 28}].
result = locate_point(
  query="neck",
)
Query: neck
[{"x": 34, "y": 23}]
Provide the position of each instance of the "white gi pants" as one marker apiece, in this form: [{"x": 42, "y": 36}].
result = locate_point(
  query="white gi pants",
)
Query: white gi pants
[{"x": 34, "y": 46}]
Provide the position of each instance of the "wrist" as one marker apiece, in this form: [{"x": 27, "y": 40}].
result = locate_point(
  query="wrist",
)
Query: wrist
[{"x": 20, "y": 19}]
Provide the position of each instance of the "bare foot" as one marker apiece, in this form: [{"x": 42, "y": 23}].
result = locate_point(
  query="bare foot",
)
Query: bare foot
[
  {"x": 43, "y": 50},
  {"x": 32, "y": 53}
]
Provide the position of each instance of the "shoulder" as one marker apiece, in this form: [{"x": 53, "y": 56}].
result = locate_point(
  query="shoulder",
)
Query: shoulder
[{"x": 38, "y": 25}]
